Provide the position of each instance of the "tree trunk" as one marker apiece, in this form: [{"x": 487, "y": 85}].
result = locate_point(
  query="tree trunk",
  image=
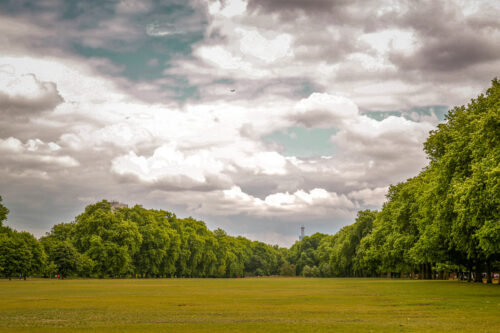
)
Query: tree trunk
[
  {"x": 478, "y": 275},
  {"x": 488, "y": 271}
]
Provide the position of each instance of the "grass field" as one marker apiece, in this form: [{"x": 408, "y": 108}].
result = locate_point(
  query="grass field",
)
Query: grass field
[{"x": 251, "y": 304}]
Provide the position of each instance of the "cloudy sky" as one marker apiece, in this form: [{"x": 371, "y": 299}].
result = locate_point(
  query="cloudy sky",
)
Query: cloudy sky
[{"x": 257, "y": 116}]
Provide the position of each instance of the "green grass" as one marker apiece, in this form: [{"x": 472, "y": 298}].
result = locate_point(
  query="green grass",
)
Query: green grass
[{"x": 256, "y": 304}]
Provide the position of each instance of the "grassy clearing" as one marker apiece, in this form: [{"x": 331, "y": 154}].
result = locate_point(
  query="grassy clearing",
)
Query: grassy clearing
[{"x": 256, "y": 304}]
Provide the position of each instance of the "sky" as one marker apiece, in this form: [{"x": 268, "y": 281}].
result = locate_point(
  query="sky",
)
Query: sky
[{"x": 255, "y": 116}]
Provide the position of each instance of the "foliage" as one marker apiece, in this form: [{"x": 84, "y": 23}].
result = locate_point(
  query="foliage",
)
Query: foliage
[{"x": 3, "y": 212}]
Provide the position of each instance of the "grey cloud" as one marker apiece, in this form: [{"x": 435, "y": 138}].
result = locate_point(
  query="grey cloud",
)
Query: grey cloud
[
  {"x": 309, "y": 6},
  {"x": 260, "y": 187},
  {"x": 174, "y": 184},
  {"x": 250, "y": 89},
  {"x": 325, "y": 46},
  {"x": 314, "y": 118},
  {"x": 448, "y": 41},
  {"x": 451, "y": 53},
  {"x": 323, "y": 30},
  {"x": 290, "y": 8},
  {"x": 44, "y": 96}
]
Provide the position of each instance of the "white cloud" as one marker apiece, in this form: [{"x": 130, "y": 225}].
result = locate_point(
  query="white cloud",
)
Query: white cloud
[
  {"x": 22, "y": 93},
  {"x": 269, "y": 50},
  {"x": 267, "y": 163},
  {"x": 18, "y": 155},
  {"x": 168, "y": 163},
  {"x": 391, "y": 39},
  {"x": 228, "y": 8},
  {"x": 12, "y": 145},
  {"x": 221, "y": 58},
  {"x": 392, "y": 137},
  {"x": 317, "y": 203},
  {"x": 325, "y": 110}
]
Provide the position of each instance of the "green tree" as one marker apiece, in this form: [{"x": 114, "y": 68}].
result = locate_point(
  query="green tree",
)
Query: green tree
[
  {"x": 20, "y": 254},
  {"x": 3, "y": 213},
  {"x": 108, "y": 239}
]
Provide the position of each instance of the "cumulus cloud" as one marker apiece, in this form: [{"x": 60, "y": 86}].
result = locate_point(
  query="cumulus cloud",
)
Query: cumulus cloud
[
  {"x": 170, "y": 166},
  {"x": 269, "y": 50},
  {"x": 300, "y": 204},
  {"x": 448, "y": 38},
  {"x": 297, "y": 7},
  {"x": 266, "y": 163},
  {"x": 391, "y": 137},
  {"x": 33, "y": 158},
  {"x": 23, "y": 94},
  {"x": 325, "y": 110}
]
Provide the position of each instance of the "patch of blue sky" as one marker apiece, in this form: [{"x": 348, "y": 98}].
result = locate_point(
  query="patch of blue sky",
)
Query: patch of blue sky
[
  {"x": 69, "y": 9},
  {"x": 93, "y": 10},
  {"x": 182, "y": 90},
  {"x": 304, "y": 142},
  {"x": 145, "y": 59},
  {"x": 167, "y": 35},
  {"x": 307, "y": 88}
]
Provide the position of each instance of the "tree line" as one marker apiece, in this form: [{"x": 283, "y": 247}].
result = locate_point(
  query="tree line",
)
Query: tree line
[
  {"x": 444, "y": 220},
  {"x": 134, "y": 242}
]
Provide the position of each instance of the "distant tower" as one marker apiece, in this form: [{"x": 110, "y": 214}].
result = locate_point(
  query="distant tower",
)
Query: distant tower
[{"x": 302, "y": 228}]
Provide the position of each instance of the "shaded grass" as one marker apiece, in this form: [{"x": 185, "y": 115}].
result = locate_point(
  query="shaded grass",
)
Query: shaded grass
[{"x": 255, "y": 304}]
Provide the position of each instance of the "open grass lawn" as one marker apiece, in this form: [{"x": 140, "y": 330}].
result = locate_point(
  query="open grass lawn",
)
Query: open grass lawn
[{"x": 251, "y": 304}]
